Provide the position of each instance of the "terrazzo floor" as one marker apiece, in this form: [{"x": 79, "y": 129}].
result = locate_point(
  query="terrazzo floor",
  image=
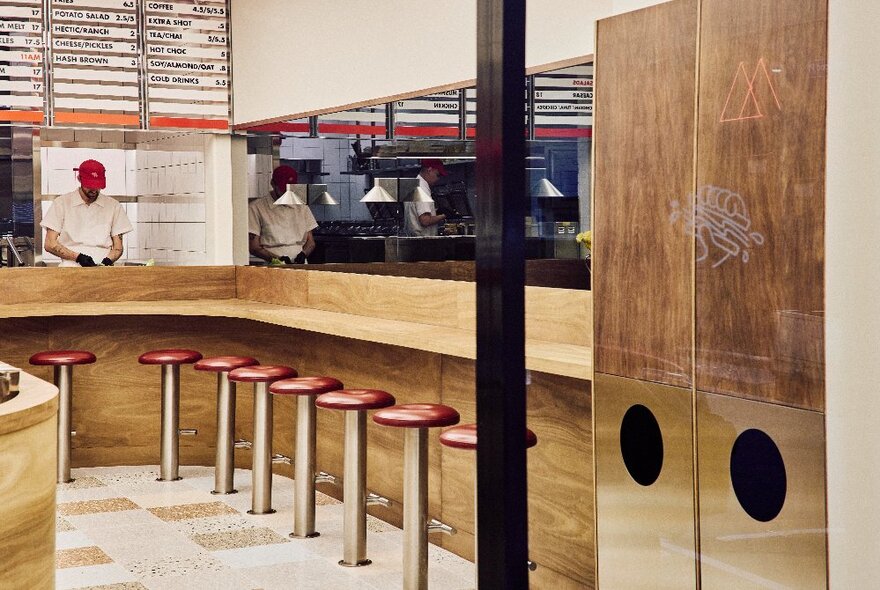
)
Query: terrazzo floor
[{"x": 120, "y": 529}]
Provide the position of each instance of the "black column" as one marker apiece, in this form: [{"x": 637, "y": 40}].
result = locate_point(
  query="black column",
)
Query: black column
[{"x": 500, "y": 266}]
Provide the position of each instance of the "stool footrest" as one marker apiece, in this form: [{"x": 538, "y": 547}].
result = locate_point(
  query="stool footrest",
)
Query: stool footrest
[
  {"x": 435, "y": 526},
  {"x": 243, "y": 444},
  {"x": 278, "y": 458},
  {"x": 376, "y": 499},
  {"x": 187, "y": 431},
  {"x": 324, "y": 477}
]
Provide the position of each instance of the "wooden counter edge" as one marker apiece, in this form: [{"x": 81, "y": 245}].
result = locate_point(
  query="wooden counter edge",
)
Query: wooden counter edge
[{"x": 37, "y": 401}]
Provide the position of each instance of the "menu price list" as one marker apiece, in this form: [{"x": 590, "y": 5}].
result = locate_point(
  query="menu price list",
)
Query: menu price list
[
  {"x": 95, "y": 62},
  {"x": 187, "y": 51},
  {"x": 22, "y": 56},
  {"x": 564, "y": 103},
  {"x": 435, "y": 115}
]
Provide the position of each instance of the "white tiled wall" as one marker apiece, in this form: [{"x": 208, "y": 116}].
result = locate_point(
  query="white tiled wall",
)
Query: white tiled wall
[{"x": 169, "y": 215}]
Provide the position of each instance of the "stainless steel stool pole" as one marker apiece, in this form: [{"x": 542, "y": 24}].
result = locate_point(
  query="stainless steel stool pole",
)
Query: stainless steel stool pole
[
  {"x": 415, "y": 509},
  {"x": 304, "y": 469},
  {"x": 169, "y": 457},
  {"x": 261, "y": 499},
  {"x": 64, "y": 382},
  {"x": 354, "y": 525},
  {"x": 224, "y": 461}
]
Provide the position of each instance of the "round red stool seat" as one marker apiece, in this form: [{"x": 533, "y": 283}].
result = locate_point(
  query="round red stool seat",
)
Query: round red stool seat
[
  {"x": 465, "y": 437},
  {"x": 170, "y": 356},
  {"x": 305, "y": 386},
  {"x": 63, "y": 357},
  {"x": 261, "y": 373},
  {"x": 355, "y": 399},
  {"x": 417, "y": 416},
  {"x": 219, "y": 364}
]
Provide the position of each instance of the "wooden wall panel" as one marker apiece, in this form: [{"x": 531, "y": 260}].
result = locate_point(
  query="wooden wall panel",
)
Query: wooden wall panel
[
  {"x": 560, "y": 471},
  {"x": 760, "y": 203},
  {"x": 124, "y": 283},
  {"x": 644, "y": 136},
  {"x": 272, "y": 285}
]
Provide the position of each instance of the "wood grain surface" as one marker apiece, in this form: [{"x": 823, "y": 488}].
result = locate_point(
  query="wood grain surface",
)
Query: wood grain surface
[
  {"x": 124, "y": 283},
  {"x": 644, "y": 166},
  {"x": 759, "y": 292}
]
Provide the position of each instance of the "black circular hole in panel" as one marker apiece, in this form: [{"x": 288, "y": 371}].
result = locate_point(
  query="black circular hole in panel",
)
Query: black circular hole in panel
[
  {"x": 757, "y": 473},
  {"x": 641, "y": 444}
]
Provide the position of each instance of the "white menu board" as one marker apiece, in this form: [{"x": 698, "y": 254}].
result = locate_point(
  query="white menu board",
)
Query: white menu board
[
  {"x": 564, "y": 102},
  {"x": 22, "y": 56},
  {"x": 95, "y": 62},
  {"x": 187, "y": 53}
]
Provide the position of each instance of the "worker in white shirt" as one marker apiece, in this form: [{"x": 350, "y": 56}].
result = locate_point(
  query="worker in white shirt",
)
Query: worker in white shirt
[
  {"x": 280, "y": 231},
  {"x": 84, "y": 227},
  {"x": 422, "y": 219}
]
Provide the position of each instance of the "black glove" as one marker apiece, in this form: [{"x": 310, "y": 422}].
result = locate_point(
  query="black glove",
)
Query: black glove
[
  {"x": 300, "y": 258},
  {"x": 84, "y": 260},
  {"x": 107, "y": 262},
  {"x": 285, "y": 259}
]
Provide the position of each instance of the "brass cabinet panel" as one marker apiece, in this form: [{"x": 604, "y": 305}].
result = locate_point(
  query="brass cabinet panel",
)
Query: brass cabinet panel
[
  {"x": 738, "y": 551},
  {"x": 645, "y": 533}
]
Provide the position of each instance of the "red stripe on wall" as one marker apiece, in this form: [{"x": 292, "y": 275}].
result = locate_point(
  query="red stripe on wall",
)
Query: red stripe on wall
[
  {"x": 351, "y": 129},
  {"x": 26, "y": 116},
  {"x": 571, "y": 132},
  {"x": 279, "y": 127},
  {"x": 97, "y": 118},
  {"x": 185, "y": 122},
  {"x": 410, "y": 131}
]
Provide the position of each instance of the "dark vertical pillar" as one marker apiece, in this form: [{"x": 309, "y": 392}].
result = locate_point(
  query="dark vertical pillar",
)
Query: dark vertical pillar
[{"x": 500, "y": 264}]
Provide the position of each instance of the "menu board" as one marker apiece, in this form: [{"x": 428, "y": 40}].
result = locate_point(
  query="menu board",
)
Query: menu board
[
  {"x": 564, "y": 103},
  {"x": 434, "y": 115},
  {"x": 22, "y": 57},
  {"x": 95, "y": 64},
  {"x": 187, "y": 52}
]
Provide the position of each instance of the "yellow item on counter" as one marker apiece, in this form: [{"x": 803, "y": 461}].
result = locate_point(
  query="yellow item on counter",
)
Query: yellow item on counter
[{"x": 150, "y": 262}]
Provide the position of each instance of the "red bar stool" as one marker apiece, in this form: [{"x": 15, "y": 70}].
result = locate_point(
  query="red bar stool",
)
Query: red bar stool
[
  {"x": 224, "y": 464},
  {"x": 169, "y": 449},
  {"x": 416, "y": 419},
  {"x": 465, "y": 437},
  {"x": 304, "y": 477},
  {"x": 355, "y": 403},
  {"x": 62, "y": 361},
  {"x": 261, "y": 469}
]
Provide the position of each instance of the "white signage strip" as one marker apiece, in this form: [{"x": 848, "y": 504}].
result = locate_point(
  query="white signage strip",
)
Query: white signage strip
[
  {"x": 103, "y": 90},
  {"x": 21, "y": 101},
  {"x": 105, "y": 18},
  {"x": 563, "y": 83},
  {"x": 99, "y": 75},
  {"x": 63, "y": 102},
  {"x": 20, "y": 12},
  {"x": 564, "y": 94},
  {"x": 8, "y": 57},
  {"x": 182, "y": 37},
  {"x": 427, "y": 105},
  {"x": 353, "y": 116},
  {"x": 177, "y": 51},
  {"x": 107, "y": 61},
  {"x": 426, "y": 118},
  {"x": 17, "y": 41},
  {"x": 89, "y": 45},
  {"x": 220, "y": 110},
  {"x": 20, "y": 86},
  {"x": 188, "y": 80},
  {"x": 579, "y": 121},
  {"x": 20, "y": 26},
  {"x": 183, "y": 22},
  {"x": 21, "y": 71},
  {"x": 99, "y": 4},
  {"x": 218, "y": 9},
  {"x": 94, "y": 31},
  {"x": 189, "y": 66},
  {"x": 219, "y": 95},
  {"x": 30, "y": 2},
  {"x": 561, "y": 107}
]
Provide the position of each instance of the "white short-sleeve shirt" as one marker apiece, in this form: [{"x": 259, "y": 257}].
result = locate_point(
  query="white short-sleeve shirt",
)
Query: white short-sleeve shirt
[
  {"x": 86, "y": 229},
  {"x": 412, "y": 211},
  {"x": 282, "y": 228}
]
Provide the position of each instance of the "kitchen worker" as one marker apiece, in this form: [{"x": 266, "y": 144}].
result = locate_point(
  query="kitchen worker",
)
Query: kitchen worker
[
  {"x": 280, "y": 231},
  {"x": 84, "y": 227},
  {"x": 421, "y": 219}
]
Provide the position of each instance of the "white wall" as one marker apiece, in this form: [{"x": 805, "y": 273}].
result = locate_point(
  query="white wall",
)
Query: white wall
[
  {"x": 852, "y": 284},
  {"x": 296, "y": 56}
]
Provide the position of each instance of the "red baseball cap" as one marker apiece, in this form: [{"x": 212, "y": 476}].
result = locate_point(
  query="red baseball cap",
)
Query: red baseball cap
[
  {"x": 436, "y": 165},
  {"x": 92, "y": 175},
  {"x": 284, "y": 175}
]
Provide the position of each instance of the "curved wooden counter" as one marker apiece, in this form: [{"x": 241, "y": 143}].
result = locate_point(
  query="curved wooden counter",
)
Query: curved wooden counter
[
  {"x": 27, "y": 485},
  {"x": 414, "y": 338}
]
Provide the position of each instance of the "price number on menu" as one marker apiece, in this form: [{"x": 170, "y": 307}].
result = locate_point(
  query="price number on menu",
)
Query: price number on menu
[
  {"x": 124, "y": 18},
  {"x": 208, "y": 10},
  {"x": 220, "y": 83},
  {"x": 216, "y": 38}
]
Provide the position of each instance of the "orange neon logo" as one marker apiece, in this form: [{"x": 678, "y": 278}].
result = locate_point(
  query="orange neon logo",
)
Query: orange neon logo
[{"x": 749, "y": 107}]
